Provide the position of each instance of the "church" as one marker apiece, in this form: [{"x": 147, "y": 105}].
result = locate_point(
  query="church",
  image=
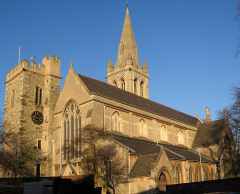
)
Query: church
[{"x": 157, "y": 144}]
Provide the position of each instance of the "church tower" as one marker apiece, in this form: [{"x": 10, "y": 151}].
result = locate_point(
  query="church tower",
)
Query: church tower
[
  {"x": 128, "y": 74},
  {"x": 31, "y": 92}
]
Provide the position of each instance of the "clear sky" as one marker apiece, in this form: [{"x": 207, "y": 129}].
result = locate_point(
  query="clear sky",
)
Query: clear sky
[{"x": 190, "y": 45}]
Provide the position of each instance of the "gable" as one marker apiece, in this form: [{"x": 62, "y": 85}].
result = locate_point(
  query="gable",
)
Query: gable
[{"x": 73, "y": 89}]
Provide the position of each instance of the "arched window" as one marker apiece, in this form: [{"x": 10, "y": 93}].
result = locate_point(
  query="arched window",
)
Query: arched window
[
  {"x": 178, "y": 174},
  {"x": 122, "y": 84},
  {"x": 142, "y": 128},
  {"x": 190, "y": 173},
  {"x": 135, "y": 86},
  {"x": 211, "y": 174},
  {"x": 115, "y": 83},
  {"x": 72, "y": 132},
  {"x": 205, "y": 174},
  {"x": 198, "y": 174},
  {"x": 164, "y": 135},
  {"x": 141, "y": 88},
  {"x": 115, "y": 122},
  {"x": 180, "y": 137}
]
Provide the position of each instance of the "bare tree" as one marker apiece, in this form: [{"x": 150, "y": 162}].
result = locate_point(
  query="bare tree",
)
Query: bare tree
[
  {"x": 100, "y": 157},
  {"x": 18, "y": 153},
  {"x": 231, "y": 117}
]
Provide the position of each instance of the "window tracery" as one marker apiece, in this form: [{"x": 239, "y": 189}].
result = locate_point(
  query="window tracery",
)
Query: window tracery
[{"x": 72, "y": 132}]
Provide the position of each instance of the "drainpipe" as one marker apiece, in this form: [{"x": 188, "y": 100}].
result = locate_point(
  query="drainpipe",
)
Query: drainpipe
[
  {"x": 200, "y": 160},
  {"x": 60, "y": 154},
  {"x": 129, "y": 163},
  {"x": 103, "y": 118}
]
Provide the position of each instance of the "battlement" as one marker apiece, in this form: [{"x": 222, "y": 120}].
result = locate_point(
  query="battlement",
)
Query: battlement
[{"x": 50, "y": 66}]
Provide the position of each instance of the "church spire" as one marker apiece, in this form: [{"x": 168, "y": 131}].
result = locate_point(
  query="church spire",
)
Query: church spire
[{"x": 127, "y": 50}]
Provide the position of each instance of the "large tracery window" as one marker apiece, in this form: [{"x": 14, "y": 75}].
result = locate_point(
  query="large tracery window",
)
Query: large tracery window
[
  {"x": 115, "y": 122},
  {"x": 72, "y": 132}
]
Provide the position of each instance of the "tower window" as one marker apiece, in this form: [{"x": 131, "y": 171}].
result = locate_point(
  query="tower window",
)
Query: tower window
[
  {"x": 135, "y": 86},
  {"x": 38, "y": 96},
  {"x": 141, "y": 88},
  {"x": 39, "y": 144},
  {"x": 12, "y": 98},
  {"x": 123, "y": 84}
]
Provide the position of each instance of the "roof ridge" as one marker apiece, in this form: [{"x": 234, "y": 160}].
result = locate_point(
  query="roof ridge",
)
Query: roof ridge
[
  {"x": 152, "y": 103},
  {"x": 136, "y": 95}
]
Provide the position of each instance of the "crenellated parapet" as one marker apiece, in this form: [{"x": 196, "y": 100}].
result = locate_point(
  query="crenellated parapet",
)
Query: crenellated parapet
[{"x": 50, "y": 66}]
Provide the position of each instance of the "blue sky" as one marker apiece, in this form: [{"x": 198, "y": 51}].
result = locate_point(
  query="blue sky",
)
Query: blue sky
[{"x": 190, "y": 45}]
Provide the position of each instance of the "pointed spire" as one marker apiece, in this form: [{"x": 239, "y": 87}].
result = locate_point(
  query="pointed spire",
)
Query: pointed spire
[{"x": 127, "y": 50}]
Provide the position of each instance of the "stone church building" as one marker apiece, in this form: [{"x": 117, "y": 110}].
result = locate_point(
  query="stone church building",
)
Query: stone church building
[{"x": 156, "y": 143}]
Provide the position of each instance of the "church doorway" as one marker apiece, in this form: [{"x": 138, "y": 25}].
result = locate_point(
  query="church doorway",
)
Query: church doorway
[{"x": 162, "y": 182}]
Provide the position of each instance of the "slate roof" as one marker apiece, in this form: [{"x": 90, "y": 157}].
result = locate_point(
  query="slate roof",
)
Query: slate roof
[
  {"x": 144, "y": 147},
  {"x": 111, "y": 92},
  {"x": 143, "y": 165},
  {"x": 148, "y": 153}
]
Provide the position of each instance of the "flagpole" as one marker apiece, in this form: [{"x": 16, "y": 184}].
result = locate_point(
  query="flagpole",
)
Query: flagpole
[{"x": 19, "y": 54}]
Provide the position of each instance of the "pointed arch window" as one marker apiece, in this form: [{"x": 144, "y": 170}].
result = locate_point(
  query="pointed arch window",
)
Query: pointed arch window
[
  {"x": 164, "y": 134},
  {"x": 141, "y": 88},
  {"x": 122, "y": 84},
  {"x": 72, "y": 132},
  {"x": 38, "y": 96},
  {"x": 142, "y": 128},
  {"x": 115, "y": 122},
  {"x": 190, "y": 174},
  {"x": 198, "y": 174},
  {"x": 135, "y": 85},
  {"x": 180, "y": 137},
  {"x": 115, "y": 83},
  {"x": 178, "y": 174}
]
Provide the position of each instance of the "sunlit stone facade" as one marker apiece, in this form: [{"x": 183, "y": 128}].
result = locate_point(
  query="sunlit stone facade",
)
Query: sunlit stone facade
[{"x": 146, "y": 133}]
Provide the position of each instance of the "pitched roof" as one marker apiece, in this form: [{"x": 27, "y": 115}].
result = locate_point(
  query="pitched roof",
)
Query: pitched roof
[
  {"x": 145, "y": 147},
  {"x": 143, "y": 165},
  {"x": 108, "y": 91},
  {"x": 148, "y": 153}
]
